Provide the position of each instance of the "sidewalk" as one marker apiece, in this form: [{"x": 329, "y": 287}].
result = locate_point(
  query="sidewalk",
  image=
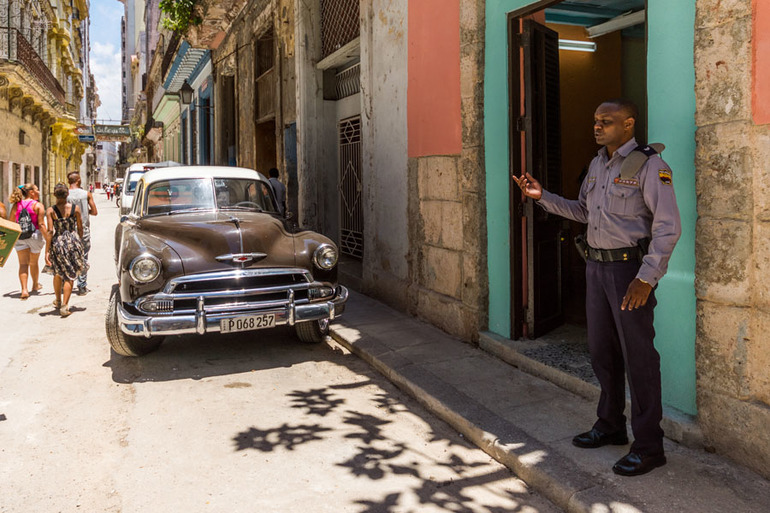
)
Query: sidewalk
[{"x": 528, "y": 423}]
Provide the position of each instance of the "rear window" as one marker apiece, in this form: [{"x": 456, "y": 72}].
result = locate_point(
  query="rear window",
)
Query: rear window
[{"x": 132, "y": 180}]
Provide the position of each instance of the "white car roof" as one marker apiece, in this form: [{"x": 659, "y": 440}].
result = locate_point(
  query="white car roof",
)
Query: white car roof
[{"x": 171, "y": 173}]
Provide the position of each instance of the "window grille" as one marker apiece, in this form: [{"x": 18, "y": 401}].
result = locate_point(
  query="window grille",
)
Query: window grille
[
  {"x": 351, "y": 187},
  {"x": 339, "y": 24},
  {"x": 348, "y": 82}
]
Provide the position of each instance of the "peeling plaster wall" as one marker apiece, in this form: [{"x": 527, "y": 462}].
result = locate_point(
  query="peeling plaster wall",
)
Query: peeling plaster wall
[
  {"x": 732, "y": 240},
  {"x": 384, "y": 148}
]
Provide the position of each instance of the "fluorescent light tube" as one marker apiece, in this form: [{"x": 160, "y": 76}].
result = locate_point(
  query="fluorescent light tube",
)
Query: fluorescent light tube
[{"x": 577, "y": 46}]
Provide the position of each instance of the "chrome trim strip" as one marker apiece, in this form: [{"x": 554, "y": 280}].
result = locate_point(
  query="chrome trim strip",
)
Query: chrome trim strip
[{"x": 230, "y": 293}]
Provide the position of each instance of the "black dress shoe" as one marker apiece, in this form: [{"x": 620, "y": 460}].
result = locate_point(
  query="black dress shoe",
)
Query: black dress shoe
[
  {"x": 635, "y": 464},
  {"x": 595, "y": 438}
]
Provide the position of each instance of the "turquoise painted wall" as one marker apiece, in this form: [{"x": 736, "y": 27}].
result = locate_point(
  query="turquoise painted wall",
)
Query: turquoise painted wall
[
  {"x": 671, "y": 108},
  {"x": 671, "y": 101}
]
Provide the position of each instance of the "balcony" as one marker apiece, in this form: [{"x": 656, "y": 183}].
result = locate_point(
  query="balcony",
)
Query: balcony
[{"x": 15, "y": 47}]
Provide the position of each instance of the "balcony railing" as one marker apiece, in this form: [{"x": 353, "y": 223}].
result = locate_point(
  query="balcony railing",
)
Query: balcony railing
[{"x": 15, "y": 47}]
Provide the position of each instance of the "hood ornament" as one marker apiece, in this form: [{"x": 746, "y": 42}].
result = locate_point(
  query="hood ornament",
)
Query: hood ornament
[{"x": 242, "y": 259}]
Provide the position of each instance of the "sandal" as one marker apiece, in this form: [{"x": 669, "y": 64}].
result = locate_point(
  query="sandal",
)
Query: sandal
[
  {"x": 57, "y": 303},
  {"x": 64, "y": 311},
  {"x": 23, "y": 297}
]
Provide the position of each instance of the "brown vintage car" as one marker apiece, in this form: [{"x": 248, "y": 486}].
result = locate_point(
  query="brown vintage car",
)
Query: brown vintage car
[{"x": 204, "y": 250}]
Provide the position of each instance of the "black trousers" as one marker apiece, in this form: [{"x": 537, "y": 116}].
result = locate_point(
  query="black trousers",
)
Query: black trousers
[{"x": 621, "y": 344}]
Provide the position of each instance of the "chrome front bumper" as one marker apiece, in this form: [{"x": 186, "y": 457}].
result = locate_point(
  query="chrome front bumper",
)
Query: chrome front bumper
[{"x": 202, "y": 322}]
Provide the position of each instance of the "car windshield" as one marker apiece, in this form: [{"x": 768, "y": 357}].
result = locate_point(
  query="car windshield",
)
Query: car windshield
[{"x": 185, "y": 194}]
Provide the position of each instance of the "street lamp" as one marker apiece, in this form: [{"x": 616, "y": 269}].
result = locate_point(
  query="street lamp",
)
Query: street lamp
[{"x": 186, "y": 93}]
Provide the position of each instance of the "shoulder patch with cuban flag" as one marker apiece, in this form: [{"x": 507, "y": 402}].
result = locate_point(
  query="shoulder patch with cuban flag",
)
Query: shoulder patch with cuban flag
[{"x": 665, "y": 176}]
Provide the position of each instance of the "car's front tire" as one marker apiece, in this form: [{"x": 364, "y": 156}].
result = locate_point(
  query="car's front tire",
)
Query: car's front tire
[
  {"x": 312, "y": 332},
  {"x": 125, "y": 345}
]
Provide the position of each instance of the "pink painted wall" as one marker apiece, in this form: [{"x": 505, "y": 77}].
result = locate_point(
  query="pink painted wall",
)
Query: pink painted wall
[
  {"x": 761, "y": 56},
  {"x": 434, "y": 118}
]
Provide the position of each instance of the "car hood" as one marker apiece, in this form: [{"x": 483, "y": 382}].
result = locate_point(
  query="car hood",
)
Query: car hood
[{"x": 200, "y": 237}]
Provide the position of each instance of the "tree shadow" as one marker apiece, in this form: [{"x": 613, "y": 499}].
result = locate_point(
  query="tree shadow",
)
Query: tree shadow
[
  {"x": 380, "y": 455},
  {"x": 288, "y": 437},
  {"x": 317, "y": 402}
]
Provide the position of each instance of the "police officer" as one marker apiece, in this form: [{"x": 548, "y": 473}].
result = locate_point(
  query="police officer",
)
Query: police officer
[{"x": 624, "y": 214}]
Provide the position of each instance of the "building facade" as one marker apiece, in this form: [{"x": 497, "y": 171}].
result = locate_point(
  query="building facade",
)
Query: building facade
[{"x": 41, "y": 91}]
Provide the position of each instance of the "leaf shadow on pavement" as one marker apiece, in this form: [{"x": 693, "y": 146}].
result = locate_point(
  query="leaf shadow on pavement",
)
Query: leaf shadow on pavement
[{"x": 379, "y": 455}]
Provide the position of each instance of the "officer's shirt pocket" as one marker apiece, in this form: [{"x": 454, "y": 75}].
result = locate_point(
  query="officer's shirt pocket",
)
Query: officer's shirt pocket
[
  {"x": 625, "y": 200},
  {"x": 591, "y": 197}
]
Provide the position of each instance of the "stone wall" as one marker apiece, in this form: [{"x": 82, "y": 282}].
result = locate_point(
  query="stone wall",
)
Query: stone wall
[
  {"x": 238, "y": 50},
  {"x": 732, "y": 239},
  {"x": 446, "y": 210}
]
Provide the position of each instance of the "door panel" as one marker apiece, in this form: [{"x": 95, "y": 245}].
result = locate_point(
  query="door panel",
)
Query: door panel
[{"x": 535, "y": 64}]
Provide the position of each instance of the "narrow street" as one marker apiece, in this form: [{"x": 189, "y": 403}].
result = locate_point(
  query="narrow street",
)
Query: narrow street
[{"x": 257, "y": 422}]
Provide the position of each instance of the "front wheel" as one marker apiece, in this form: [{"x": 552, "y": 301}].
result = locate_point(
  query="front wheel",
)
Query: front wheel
[
  {"x": 125, "y": 345},
  {"x": 312, "y": 332}
]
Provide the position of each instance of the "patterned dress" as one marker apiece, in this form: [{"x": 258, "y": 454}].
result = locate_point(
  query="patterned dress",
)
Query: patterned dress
[{"x": 66, "y": 249}]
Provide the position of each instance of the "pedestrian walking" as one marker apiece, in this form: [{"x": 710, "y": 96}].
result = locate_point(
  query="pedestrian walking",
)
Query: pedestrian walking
[
  {"x": 279, "y": 189},
  {"x": 633, "y": 226},
  {"x": 27, "y": 210},
  {"x": 64, "y": 252},
  {"x": 85, "y": 200}
]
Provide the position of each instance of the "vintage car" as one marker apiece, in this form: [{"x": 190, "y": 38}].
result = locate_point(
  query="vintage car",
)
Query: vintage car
[{"x": 204, "y": 250}]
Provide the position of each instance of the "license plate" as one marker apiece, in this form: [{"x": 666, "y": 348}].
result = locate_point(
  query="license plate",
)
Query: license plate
[{"x": 247, "y": 323}]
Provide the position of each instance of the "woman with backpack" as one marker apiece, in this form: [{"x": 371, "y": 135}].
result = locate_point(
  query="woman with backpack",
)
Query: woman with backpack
[
  {"x": 27, "y": 210},
  {"x": 64, "y": 252}
]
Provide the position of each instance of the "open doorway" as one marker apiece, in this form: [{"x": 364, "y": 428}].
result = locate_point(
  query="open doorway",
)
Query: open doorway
[{"x": 564, "y": 60}]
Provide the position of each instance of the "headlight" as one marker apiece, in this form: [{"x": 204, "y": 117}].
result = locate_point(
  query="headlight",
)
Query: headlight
[
  {"x": 325, "y": 256},
  {"x": 144, "y": 268}
]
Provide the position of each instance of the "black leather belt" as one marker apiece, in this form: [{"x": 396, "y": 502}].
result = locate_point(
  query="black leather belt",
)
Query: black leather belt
[{"x": 633, "y": 254}]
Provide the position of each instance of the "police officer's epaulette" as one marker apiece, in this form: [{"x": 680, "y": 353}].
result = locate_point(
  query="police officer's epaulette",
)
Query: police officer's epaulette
[{"x": 636, "y": 159}]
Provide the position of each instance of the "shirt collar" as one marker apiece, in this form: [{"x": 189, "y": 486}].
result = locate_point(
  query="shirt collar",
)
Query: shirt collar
[{"x": 623, "y": 151}]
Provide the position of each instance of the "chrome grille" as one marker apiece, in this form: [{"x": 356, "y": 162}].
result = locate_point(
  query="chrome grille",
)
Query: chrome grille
[{"x": 239, "y": 289}]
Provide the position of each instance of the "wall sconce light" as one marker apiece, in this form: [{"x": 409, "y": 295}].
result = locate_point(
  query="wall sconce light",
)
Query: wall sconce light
[
  {"x": 186, "y": 93},
  {"x": 577, "y": 46}
]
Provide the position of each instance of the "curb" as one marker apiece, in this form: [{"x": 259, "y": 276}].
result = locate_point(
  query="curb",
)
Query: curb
[
  {"x": 569, "y": 488},
  {"x": 677, "y": 426}
]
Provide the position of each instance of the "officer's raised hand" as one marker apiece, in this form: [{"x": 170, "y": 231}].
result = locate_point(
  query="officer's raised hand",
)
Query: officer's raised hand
[
  {"x": 529, "y": 186},
  {"x": 636, "y": 295}
]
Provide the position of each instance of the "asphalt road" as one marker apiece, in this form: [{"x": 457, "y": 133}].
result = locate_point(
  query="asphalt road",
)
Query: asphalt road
[{"x": 254, "y": 422}]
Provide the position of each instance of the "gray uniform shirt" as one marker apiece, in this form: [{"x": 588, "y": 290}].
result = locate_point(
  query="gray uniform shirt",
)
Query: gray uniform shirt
[
  {"x": 621, "y": 212},
  {"x": 79, "y": 197},
  {"x": 280, "y": 193}
]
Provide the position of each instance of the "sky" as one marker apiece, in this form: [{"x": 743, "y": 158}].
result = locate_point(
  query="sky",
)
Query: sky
[{"x": 105, "y": 58}]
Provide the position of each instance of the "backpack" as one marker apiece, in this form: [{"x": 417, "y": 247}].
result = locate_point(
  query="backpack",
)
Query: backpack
[{"x": 25, "y": 222}]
